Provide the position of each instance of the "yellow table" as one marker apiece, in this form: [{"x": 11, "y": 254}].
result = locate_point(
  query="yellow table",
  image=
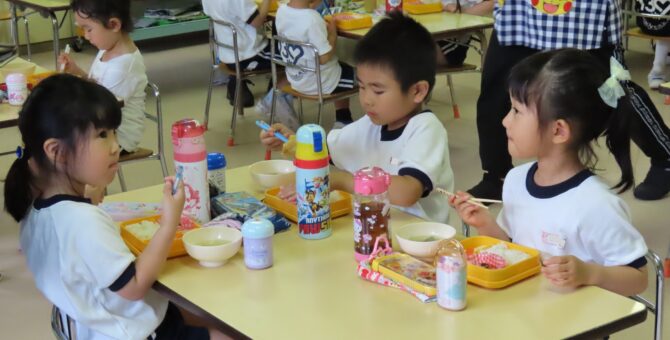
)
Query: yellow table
[
  {"x": 312, "y": 292},
  {"x": 46, "y": 8}
]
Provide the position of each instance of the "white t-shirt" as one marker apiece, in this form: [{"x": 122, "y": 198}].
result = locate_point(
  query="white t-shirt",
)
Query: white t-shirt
[
  {"x": 75, "y": 253},
  {"x": 236, "y": 12},
  {"x": 420, "y": 150},
  {"x": 126, "y": 77},
  {"x": 579, "y": 217},
  {"x": 307, "y": 26}
]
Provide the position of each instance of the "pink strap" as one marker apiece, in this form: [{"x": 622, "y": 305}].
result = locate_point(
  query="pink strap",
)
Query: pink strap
[{"x": 378, "y": 250}]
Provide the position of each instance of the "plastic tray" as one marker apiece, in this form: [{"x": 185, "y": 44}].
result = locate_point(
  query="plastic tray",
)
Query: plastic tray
[
  {"x": 499, "y": 278},
  {"x": 347, "y": 21},
  {"x": 338, "y": 207},
  {"x": 407, "y": 270},
  {"x": 136, "y": 245},
  {"x": 421, "y": 8}
]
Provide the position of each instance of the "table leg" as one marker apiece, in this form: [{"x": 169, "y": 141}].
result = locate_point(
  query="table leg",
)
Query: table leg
[
  {"x": 484, "y": 44},
  {"x": 14, "y": 27},
  {"x": 54, "y": 23}
]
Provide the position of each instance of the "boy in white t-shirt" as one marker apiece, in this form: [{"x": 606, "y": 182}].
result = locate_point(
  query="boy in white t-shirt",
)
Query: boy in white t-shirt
[
  {"x": 298, "y": 21},
  {"x": 452, "y": 52},
  {"x": 118, "y": 66},
  {"x": 253, "y": 51},
  {"x": 396, "y": 72}
]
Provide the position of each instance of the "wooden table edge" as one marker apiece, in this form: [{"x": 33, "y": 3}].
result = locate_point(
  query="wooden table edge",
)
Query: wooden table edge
[
  {"x": 435, "y": 35},
  {"x": 614, "y": 326},
  {"x": 198, "y": 311},
  {"x": 38, "y": 7},
  {"x": 9, "y": 123}
]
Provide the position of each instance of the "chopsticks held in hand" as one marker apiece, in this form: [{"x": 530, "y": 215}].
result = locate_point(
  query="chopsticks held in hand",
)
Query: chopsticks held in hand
[{"x": 476, "y": 201}]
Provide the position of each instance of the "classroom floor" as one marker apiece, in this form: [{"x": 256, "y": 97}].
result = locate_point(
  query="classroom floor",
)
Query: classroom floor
[{"x": 181, "y": 72}]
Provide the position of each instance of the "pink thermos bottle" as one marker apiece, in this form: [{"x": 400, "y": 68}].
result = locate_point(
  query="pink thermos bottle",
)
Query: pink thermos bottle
[{"x": 190, "y": 157}]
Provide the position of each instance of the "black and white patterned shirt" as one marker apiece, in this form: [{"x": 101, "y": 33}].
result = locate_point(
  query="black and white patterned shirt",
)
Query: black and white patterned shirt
[{"x": 554, "y": 24}]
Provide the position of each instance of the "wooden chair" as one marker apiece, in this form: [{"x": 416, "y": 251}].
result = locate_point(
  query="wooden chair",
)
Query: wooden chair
[
  {"x": 142, "y": 154},
  {"x": 320, "y": 97},
  {"x": 465, "y": 68},
  {"x": 239, "y": 74}
]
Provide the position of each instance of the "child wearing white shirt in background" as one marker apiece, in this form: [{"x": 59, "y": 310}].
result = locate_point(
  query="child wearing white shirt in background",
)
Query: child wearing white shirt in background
[
  {"x": 452, "y": 52},
  {"x": 298, "y": 21},
  {"x": 118, "y": 66}
]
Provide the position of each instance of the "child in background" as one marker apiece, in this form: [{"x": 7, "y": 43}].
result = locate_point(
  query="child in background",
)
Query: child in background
[
  {"x": 396, "y": 72},
  {"x": 72, "y": 247},
  {"x": 659, "y": 28},
  {"x": 452, "y": 52},
  {"x": 253, "y": 50},
  {"x": 298, "y": 21},
  {"x": 561, "y": 102},
  {"x": 118, "y": 66}
]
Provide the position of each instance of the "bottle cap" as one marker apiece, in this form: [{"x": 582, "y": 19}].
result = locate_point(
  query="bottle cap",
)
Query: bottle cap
[
  {"x": 215, "y": 161},
  {"x": 15, "y": 78},
  {"x": 257, "y": 228},
  {"x": 371, "y": 181}
]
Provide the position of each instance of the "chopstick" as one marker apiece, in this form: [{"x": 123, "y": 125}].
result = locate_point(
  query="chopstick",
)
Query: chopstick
[
  {"x": 67, "y": 51},
  {"x": 476, "y": 201}
]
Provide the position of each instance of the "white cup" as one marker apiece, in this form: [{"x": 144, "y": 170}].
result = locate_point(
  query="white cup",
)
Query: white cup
[{"x": 17, "y": 88}]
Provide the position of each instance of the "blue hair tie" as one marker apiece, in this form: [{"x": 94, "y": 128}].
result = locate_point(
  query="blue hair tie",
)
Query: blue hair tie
[{"x": 20, "y": 152}]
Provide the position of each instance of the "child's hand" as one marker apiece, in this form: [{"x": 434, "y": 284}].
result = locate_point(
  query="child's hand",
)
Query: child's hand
[
  {"x": 471, "y": 214},
  {"x": 268, "y": 137},
  {"x": 566, "y": 271},
  {"x": 172, "y": 204},
  {"x": 70, "y": 65},
  {"x": 332, "y": 26}
]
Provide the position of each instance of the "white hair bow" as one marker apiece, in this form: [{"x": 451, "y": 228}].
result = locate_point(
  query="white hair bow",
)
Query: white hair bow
[{"x": 611, "y": 90}]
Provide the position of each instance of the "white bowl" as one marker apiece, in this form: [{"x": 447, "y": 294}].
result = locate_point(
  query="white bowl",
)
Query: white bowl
[
  {"x": 212, "y": 246},
  {"x": 422, "y": 239},
  {"x": 273, "y": 173}
]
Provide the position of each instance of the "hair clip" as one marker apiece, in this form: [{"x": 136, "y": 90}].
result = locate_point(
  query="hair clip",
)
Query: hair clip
[
  {"x": 20, "y": 152},
  {"x": 611, "y": 90}
]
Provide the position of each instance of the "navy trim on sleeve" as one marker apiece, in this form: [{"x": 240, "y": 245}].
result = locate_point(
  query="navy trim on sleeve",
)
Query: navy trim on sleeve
[
  {"x": 421, "y": 176},
  {"x": 125, "y": 277},
  {"x": 556, "y": 189},
  {"x": 639, "y": 263},
  {"x": 252, "y": 17}
]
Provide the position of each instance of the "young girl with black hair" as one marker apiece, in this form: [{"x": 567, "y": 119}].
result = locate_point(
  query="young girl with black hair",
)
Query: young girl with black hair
[
  {"x": 562, "y": 101},
  {"x": 72, "y": 247}
]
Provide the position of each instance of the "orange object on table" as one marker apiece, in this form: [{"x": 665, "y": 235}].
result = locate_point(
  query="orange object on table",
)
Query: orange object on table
[
  {"x": 137, "y": 245},
  {"x": 418, "y": 7},
  {"x": 347, "y": 21},
  {"x": 339, "y": 206}
]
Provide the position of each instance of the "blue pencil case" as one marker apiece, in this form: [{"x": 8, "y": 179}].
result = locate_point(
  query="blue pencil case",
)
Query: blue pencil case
[{"x": 242, "y": 206}]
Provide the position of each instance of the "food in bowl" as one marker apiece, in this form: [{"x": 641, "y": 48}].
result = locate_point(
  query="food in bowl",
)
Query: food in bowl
[
  {"x": 273, "y": 173},
  {"x": 212, "y": 246},
  {"x": 422, "y": 239}
]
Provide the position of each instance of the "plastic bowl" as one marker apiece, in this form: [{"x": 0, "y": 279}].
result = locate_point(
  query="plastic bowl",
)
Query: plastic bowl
[
  {"x": 212, "y": 246},
  {"x": 17, "y": 66},
  {"x": 422, "y": 239},
  {"x": 273, "y": 173}
]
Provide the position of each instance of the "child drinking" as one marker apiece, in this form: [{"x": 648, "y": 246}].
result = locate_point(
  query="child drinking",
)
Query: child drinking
[
  {"x": 561, "y": 102},
  {"x": 118, "y": 66},
  {"x": 396, "y": 72},
  {"x": 298, "y": 21},
  {"x": 72, "y": 247}
]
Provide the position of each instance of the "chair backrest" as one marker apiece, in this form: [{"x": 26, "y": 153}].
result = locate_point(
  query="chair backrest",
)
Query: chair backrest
[
  {"x": 657, "y": 307},
  {"x": 629, "y": 9},
  {"x": 157, "y": 117},
  {"x": 214, "y": 43},
  {"x": 284, "y": 59},
  {"x": 62, "y": 325}
]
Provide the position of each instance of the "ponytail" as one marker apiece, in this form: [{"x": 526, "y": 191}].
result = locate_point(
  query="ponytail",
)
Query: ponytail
[
  {"x": 618, "y": 135},
  {"x": 19, "y": 188}
]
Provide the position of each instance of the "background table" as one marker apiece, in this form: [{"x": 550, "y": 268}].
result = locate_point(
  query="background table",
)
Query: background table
[
  {"x": 312, "y": 291},
  {"x": 9, "y": 115}
]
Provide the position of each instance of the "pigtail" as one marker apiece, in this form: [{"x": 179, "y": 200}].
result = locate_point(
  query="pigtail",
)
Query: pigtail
[
  {"x": 19, "y": 188},
  {"x": 618, "y": 135}
]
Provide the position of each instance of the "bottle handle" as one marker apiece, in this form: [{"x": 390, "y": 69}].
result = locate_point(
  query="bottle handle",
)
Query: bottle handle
[{"x": 378, "y": 249}]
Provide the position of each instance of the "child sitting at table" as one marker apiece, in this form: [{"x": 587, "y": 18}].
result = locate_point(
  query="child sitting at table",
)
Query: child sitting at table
[
  {"x": 118, "y": 66},
  {"x": 396, "y": 72},
  {"x": 253, "y": 51},
  {"x": 452, "y": 52},
  {"x": 561, "y": 102},
  {"x": 298, "y": 21},
  {"x": 72, "y": 247}
]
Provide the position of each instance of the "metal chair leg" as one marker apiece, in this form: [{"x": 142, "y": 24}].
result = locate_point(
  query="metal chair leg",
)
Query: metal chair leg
[
  {"x": 25, "y": 24},
  {"x": 465, "y": 229},
  {"x": 300, "y": 112},
  {"x": 237, "y": 109},
  {"x": 209, "y": 96},
  {"x": 454, "y": 106},
  {"x": 318, "y": 114},
  {"x": 122, "y": 180}
]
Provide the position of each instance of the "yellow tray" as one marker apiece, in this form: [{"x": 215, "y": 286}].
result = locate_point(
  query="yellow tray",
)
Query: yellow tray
[
  {"x": 136, "y": 245},
  {"x": 339, "y": 207},
  {"x": 499, "y": 278},
  {"x": 408, "y": 271},
  {"x": 421, "y": 8},
  {"x": 36, "y": 78},
  {"x": 347, "y": 21}
]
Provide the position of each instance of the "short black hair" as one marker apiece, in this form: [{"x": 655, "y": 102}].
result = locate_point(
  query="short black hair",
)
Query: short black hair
[
  {"x": 403, "y": 45},
  {"x": 103, "y": 10}
]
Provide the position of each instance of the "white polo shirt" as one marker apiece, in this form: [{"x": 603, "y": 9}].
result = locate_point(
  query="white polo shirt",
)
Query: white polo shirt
[{"x": 75, "y": 253}]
